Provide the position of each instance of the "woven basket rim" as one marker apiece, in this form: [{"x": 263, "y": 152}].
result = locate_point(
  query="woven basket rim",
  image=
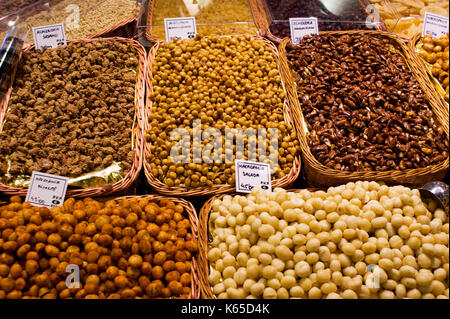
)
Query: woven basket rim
[
  {"x": 264, "y": 19},
  {"x": 391, "y": 176},
  {"x": 193, "y": 219},
  {"x": 288, "y": 112},
  {"x": 133, "y": 173}
]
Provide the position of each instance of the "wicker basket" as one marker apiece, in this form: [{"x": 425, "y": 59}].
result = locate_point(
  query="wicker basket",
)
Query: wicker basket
[
  {"x": 192, "y": 214},
  {"x": 148, "y": 32},
  {"x": 162, "y": 188},
  {"x": 263, "y": 19},
  {"x": 318, "y": 174},
  {"x": 128, "y": 181},
  {"x": 433, "y": 82}
]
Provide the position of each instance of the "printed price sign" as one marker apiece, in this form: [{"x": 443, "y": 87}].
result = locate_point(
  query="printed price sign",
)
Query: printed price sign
[
  {"x": 47, "y": 190},
  {"x": 301, "y": 27},
  {"x": 49, "y": 36},
  {"x": 435, "y": 25},
  {"x": 181, "y": 28},
  {"x": 250, "y": 175}
]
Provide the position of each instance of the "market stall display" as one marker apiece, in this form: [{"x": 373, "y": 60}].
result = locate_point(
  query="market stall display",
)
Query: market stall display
[
  {"x": 81, "y": 18},
  {"x": 348, "y": 15},
  {"x": 225, "y": 83},
  {"x": 322, "y": 244},
  {"x": 123, "y": 248},
  {"x": 366, "y": 111},
  {"x": 213, "y": 17},
  {"x": 75, "y": 111},
  {"x": 408, "y": 14},
  {"x": 434, "y": 54}
]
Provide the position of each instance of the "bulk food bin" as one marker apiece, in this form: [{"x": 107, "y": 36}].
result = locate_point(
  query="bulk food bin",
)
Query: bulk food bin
[
  {"x": 185, "y": 179},
  {"x": 213, "y": 17},
  {"x": 409, "y": 14},
  {"x": 363, "y": 155},
  {"x": 433, "y": 53},
  {"x": 278, "y": 244},
  {"x": 332, "y": 15},
  {"x": 82, "y": 19},
  {"x": 124, "y": 248},
  {"x": 103, "y": 176}
]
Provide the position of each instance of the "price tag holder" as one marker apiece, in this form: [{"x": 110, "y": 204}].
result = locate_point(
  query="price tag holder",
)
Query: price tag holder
[
  {"x": 49, "y": 36},
  {"x": 182, "y": 28},
  {"x": 47, "y": 190},
  {"x": 301, "y": 27},
  {"x": 435, "y": 25},
  {"x": 250, "y": 175}
]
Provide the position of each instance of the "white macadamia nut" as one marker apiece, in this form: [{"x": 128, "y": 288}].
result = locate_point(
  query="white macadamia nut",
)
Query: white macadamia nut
[{"x": 325, "y": 244}]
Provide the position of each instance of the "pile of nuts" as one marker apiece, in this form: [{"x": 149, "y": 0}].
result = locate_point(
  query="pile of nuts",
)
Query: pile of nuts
[
  {"x": 215, "y": 17},
  {"x": 226, "y": 83},
  {"x": 351, "y": 17},
  {"x": 71, "y": 110},
  {"x": 94, "y": 16},
  {"x": 104, "y": 16},
  {"x": 360, "y": 240},
  {"x": 120, "y": 249},
  {"x": 435, "y": 53},
  {"x": 364, "y": 108},
  {"x": 405, "y": 17},
  {"x": 387, "y": 14},
  {"x": 9, "y": 6}
]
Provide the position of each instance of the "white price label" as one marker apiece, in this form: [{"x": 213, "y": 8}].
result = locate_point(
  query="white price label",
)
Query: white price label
[
  {"x": 47, "y": 190},
  {"x": 181, "y": 28},
  {"x": 49, "y": 36},
  {"x": 301, "y": 27},
  {"x": 435, "y": 25},
  {"x": 250, "y": 175}
]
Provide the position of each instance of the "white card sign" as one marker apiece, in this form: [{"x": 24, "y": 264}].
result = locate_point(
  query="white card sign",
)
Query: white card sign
[
  {"x": 49, "y": 36},
  {"x": 47, "y": 190},
  {"x": 301, "y": 27},
  {"x": 181, "y": 28},
  {"x": 435, "y": 25},
  {"x": 250, "y": 175}
]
